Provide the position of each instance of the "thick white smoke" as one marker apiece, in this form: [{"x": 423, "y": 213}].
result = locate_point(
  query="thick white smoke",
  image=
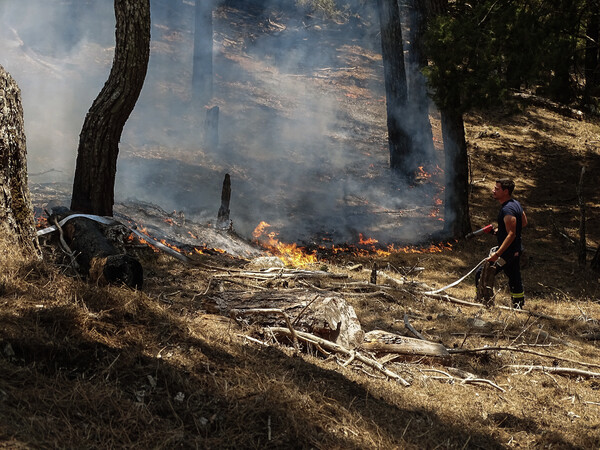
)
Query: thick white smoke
[{"x": 302, "y": 127}]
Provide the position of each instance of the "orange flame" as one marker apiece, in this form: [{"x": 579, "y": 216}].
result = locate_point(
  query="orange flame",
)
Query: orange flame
[{"x": 288, "y": 253}]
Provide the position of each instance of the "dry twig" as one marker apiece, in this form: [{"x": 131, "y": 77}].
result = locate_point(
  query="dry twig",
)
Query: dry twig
[{"x": 332, "y": 346}]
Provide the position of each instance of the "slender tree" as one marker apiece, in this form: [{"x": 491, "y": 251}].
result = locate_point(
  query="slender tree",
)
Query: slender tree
[
  {"x": 418, "y": 97},
  {"x": 592, "y": 51},
  {"x": 446, "y": 79},
  {"x": 401, "y": 160},
  {"x": 95, "y": 171}
]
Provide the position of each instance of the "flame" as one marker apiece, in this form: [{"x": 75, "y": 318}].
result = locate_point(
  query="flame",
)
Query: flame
[
  {"x": 363, "y": 241},
  {"x": 41, "y": 222},
  {"x": 288, "y": 253}
]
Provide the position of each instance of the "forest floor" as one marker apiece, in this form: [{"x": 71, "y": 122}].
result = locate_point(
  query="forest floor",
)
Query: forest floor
[{"x": 86, "y": 366}]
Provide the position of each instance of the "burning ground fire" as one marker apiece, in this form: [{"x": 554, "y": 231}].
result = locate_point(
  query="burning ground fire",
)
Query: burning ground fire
[{"x": 294, "y": 255}]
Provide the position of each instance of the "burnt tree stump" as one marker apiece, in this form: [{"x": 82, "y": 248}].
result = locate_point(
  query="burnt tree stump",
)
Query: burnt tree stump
[{"x": 223, "y": 214}]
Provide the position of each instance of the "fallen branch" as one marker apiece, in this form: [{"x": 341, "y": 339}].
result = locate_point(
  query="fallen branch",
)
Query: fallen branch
[
  {"x": 281, "y": 273},
  {"x": 468, "y": 380},
  {"x": 479, "y": 305},
  {"x": 332, "y": 346},
  {"x": 559, "y": 370},
  {"x": 412, "y": 329},
  {"x": 520, "y": 350},
  {"x": 235, "y": 312}
]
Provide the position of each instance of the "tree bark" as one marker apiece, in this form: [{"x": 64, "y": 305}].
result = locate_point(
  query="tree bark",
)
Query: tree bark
[
  {"x": 93, "y": 186},
  {"x": 16, "y": 213},
  {"x": 456, "y": 204},
  {"x": 418, "y": 98},
  {"x": 401, "y": 161},
  {"x": 592, "y": 53}
]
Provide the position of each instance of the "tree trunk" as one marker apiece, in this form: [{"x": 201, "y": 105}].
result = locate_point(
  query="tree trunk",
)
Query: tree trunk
[
  {"x": 16, "y": 213},
  {"x": 202, "y": 71},
  {"x": 456, "y": 204},
  {"x": 418, "y": 98},
  {"x": 395, "y": 88},
  {"x": 592, "y": 54},
  {"x": 93, "y": 186}
]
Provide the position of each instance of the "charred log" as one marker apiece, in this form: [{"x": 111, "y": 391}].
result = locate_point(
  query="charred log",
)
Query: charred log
[{"x": 98, "y": 258}]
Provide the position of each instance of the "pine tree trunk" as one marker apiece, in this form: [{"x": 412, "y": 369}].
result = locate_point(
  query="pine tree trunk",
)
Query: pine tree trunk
[
  {"x": 418, "y": 98},
  {"x": 395, "y": 88},
  {"x": 16, "y": 213},
  {"x": 93, "y": 186},
  {"x": 456, "y": 204},
  {"x": 592, "y": 54}
]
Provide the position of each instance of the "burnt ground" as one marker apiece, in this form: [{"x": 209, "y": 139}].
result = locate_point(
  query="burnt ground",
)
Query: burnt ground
[{"x": 86, "y": 366}]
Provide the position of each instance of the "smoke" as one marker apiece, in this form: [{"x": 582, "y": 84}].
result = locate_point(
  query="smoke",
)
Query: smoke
[{"x": 302, "y": 127}]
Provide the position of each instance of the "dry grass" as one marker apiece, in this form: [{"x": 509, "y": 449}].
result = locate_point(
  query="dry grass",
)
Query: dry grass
[{"x": 103, "y": 367}]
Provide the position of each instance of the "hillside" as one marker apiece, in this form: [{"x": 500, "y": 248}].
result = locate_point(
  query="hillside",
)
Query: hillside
[{"x": 85, "y": 366}]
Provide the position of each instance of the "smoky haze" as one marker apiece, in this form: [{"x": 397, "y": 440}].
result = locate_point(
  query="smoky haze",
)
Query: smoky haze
[{"x": 302, "y": 127}]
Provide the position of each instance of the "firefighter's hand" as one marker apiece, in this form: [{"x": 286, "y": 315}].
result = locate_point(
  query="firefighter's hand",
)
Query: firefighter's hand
[{"x": 493, "y": 258}]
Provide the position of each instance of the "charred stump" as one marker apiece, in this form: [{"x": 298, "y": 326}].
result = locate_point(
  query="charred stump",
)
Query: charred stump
[{"x": 223, "y": 214}]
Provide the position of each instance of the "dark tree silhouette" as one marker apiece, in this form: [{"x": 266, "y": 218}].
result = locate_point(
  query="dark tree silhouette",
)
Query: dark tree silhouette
[
  {"x": 394, "y": 72},
  {"x": 418, "y": 98},
  {"x": 16, "y": 214},
  {"x": 456, "y": 204},
  {"x": 95, "y": 171},
  {"x": 592, "y": 52}
]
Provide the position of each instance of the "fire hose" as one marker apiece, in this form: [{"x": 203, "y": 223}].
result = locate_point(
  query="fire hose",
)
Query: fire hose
[
  {"x": 437, "y": 291},
  {"x": 111, "y": 221},
  {"x": 488, "y": 229}
]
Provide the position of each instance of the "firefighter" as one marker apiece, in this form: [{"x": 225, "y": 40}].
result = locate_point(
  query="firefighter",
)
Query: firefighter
[{"x": 507, "y": 255}]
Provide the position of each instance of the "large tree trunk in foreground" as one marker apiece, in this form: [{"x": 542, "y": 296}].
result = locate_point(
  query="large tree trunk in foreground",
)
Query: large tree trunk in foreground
[
  {"x": 16, "y": 213},
  {"x": 93, "y": 186},
  {"x": 401, "y": 160}
]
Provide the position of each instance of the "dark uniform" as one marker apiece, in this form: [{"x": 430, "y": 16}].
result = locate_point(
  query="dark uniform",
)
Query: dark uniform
[{"x": 512, "y": 255}]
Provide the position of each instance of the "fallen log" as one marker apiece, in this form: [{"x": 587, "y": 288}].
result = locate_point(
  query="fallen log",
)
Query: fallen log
[
  {"x": 98, "y": 259},
  {"x": 379, "y": 341},
  {"x": 326, "y": 315}
]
